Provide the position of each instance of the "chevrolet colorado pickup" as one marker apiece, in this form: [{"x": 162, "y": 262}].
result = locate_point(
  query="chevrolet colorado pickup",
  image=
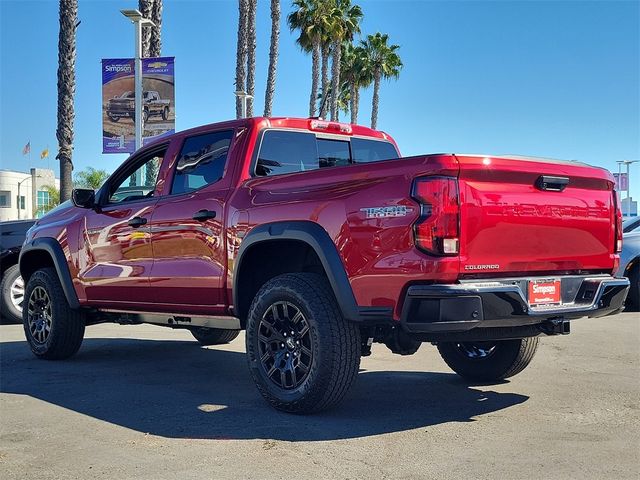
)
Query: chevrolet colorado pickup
[{"x": 318, "y": 239}]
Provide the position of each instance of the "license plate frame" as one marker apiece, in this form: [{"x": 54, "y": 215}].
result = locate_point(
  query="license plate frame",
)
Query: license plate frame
[{"x": 544, "y": 292}]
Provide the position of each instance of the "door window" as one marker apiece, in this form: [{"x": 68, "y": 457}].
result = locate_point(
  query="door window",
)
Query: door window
[
  {"x": 201, "y": 161},
  {"x": 138, "y": 182}
]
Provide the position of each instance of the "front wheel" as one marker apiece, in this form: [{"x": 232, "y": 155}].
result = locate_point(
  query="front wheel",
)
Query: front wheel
[
  {"x": 53, "y": 329},
  {"x": 214, "y": 336},
  {"x": 303, "y": 356},
  {"x": 489, "y": 361}
]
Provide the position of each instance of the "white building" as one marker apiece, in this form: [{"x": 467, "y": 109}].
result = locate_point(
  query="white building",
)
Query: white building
[{"x": 23, "y": 194}]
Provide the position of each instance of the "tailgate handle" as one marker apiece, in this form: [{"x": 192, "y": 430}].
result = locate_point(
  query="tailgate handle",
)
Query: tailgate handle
[{"x": 552, "y": 184}]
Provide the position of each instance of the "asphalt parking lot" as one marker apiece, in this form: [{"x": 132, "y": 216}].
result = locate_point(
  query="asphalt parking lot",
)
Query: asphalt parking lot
[{"x": 147, "y": 402}]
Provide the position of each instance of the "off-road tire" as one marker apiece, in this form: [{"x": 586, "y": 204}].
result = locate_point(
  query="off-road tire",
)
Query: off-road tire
[
  {"x": 214, "y": 336},
  {"x": 145, "y": 115},
  {"x": 165, "y": 113},
  {"x": 67, "y": 324},
  {"x": 113, "y": 118},
  {"x": 9, "y": 311},
  {"x": 334, "y": 343},
  {"x": 508, "y": 358}
]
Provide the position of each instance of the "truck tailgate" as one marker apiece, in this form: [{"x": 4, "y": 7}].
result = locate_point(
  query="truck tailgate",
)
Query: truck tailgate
[{"x": 533, "y": 216}]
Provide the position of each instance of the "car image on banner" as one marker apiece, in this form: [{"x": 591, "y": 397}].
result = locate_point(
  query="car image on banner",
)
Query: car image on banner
[{"x": 118, "y": 102}]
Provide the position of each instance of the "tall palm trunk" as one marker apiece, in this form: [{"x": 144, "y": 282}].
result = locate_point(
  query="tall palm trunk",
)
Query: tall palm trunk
[
  {"x": 66, "y": 91},
  {"x": 357, "y": 104},
  {"x": 145, "y": 7},
  {"x": 325, "y": 52},
  {"x": 376, "y": 98},
  {"x": 273, "y": 57},
  {"x": 251, "y": 56},
  {"x": 353, "y": 101},
  {"x": 241, "y": 52},
  {"x": 315, "y": 73},
  {"x": 155, "y": 46},
  {"x": 335, "y": 79}
]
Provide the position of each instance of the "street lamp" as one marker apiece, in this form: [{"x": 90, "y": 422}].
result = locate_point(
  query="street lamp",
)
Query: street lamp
[
  {"x": 243, "y": 96},
  {"x": 139, "y": 21},
  {"x": 19, "y": 185}
]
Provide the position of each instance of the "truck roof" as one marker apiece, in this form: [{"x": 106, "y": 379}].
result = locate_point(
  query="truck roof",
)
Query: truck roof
[{"x": 282, "y": 122}]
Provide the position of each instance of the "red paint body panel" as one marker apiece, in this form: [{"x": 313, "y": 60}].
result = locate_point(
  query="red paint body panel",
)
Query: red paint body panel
[{"x": 180, "y": 265}]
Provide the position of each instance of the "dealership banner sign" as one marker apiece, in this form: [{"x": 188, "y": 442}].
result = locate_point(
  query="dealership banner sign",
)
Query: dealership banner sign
[{"x": 118, "y": 102}]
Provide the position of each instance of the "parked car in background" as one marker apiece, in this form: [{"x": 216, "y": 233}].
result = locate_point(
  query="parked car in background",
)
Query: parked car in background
[
  {"x": 12, "y": 235},
  {"x": 630, "y": 260}
]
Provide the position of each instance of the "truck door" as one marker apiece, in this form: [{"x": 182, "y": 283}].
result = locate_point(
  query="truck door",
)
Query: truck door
[
  {"x": 115, "y": 253},
  {"x": 189, "y": 245}
]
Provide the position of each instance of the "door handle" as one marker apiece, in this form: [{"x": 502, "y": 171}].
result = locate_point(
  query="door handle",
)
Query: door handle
[
  {"x": 136, "y": 222},
  {"x": 204, "y": 215}
]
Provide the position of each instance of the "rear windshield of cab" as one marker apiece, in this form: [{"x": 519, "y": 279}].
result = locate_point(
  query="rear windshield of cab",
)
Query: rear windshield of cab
[{"x": 283, "y": 151}]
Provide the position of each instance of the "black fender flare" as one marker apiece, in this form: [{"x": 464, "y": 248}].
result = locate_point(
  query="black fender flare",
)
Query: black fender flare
[
  {"x": 54, "y": 250},
  {"x": 317, "y": 238}
]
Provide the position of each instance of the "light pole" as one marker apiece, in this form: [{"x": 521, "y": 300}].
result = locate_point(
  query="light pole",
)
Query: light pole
[
  {"x": 139, "y": 21},
  {"x": 243, "y": 96},
  {"x": 19, "y": 185}
]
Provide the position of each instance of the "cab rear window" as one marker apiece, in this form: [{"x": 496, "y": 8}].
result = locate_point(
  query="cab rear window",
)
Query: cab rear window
[{"x": 284, "y": 152}]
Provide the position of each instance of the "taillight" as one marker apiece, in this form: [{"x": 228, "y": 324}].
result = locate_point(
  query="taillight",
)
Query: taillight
[
  {"x": 437, "y": 230},
  {"x": 618, "y": 222}
]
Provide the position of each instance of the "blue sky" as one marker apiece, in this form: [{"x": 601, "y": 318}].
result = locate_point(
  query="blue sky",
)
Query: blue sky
[{"x": 547, "y": 78}]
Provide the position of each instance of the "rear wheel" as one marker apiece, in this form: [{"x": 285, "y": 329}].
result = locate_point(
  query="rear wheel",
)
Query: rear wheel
[
  {"x": 302, "y": 354},
  {"x": 53, "y": 329},
  {"x": 12, "y": 294},
  {"x": 165, "y": 113},
  {"x": 489, "y": 361},
  {"x": 214, "y": 336}
]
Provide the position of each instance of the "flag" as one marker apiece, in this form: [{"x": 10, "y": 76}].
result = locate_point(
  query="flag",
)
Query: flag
[
  {"x": 27, "y": 148},
  {"x": 44, "y": 154}
]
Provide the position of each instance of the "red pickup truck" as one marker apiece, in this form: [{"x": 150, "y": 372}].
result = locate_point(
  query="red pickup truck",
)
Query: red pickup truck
[{"x": 318, "y": 239}]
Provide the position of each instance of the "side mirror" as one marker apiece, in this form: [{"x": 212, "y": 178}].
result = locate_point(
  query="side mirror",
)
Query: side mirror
[{"x": 83, "y": 197}]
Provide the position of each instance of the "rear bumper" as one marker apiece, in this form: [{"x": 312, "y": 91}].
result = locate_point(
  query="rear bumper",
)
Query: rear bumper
[{"x": 503, "y": 303}]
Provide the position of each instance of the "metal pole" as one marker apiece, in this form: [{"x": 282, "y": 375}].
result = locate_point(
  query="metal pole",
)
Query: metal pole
[
  {"x": 244, "y": 97},
  {"x": 138, "y": 83},
  {"x": 19, "y": 183},
  {"x": 628, "y": 188}
]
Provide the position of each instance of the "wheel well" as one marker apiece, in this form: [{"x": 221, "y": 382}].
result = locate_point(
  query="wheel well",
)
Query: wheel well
[
  {"x": 631, "y": 265},
  {"x": 267, "y": 260},
  {"x": 34, "y": 260},
  {"x": 8, "y": 261}
]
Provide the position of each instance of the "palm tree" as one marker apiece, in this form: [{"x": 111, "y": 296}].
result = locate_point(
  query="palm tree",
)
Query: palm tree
[
  {"x": 241, "y": 52},
  {"x": 273, "y": 58},
  {"x": 384, "y": 62},
  {"x": 355, "y": 74},
  {"x": 90, "y": 178},
  {"x": 309, "y": 17},
  {"x": 145, "y": 7},
  {"x": 66, "y": 90},
  {"x": 155, "y": 44},
  {"x": 251, "y": 55},
  {"x": 343, "y": 23}
]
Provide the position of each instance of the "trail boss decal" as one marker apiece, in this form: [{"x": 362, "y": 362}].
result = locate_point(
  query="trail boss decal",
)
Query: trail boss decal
[{"x": 386, "y": 212}]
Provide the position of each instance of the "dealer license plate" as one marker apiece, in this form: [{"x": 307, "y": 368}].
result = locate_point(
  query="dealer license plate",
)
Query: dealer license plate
[{"x": 545, "y": 292}]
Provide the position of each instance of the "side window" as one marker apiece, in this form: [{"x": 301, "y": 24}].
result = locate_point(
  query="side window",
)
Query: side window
[
  {"x": 137, "y": 183},
  {"x": 286, "y": 152},
  {"x": 201, "y": 161},
  {"x": 333, "y": 153},
  {"x": 366, "y": 151}
]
